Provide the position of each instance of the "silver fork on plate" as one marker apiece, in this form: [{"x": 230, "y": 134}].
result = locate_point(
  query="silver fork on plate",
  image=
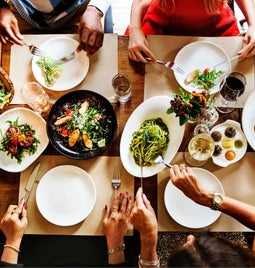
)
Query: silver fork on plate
[
  {"x": 116, "y": 181},
  {"x": 35, "y": 50},
  {"x": 170, "y": 65}
]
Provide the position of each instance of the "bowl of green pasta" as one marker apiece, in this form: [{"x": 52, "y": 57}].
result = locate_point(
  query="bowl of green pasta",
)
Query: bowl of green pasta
[{"x": 148, "y": 133}]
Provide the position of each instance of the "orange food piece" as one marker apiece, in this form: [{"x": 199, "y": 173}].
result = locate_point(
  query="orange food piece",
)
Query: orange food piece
[{"x": 230, "y": 155}]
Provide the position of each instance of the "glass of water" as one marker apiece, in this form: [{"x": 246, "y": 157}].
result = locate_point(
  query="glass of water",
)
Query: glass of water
[{"x": 121, "y": 84}]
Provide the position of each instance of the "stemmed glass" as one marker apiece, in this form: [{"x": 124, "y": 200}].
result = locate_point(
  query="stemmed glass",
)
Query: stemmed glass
[
  {"x": 232, "y": 88},
  {"x": 200, "y": 147}
]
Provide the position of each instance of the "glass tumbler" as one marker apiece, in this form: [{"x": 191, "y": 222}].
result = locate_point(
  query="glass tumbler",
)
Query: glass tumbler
[
  {"x": 35, "y": 96},
  {"x": 122, "y": 87}
]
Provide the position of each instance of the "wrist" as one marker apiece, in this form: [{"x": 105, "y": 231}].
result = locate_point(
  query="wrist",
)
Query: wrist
[{"x": 96, "y": 12}]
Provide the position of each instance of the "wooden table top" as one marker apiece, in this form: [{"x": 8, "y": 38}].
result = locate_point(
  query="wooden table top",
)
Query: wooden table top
[{"x": 9, "y": 182}]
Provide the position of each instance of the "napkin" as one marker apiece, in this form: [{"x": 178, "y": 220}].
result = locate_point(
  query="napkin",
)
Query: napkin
[
  {"x": 238, "y": 182},
  {"x": 103, "y": 66},
  {"x": 161, "y": 81},
  {"x": 100, "y": 169}
]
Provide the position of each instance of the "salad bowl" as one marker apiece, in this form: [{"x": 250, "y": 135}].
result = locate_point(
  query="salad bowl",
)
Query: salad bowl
[{"x": 93, "y": 128}]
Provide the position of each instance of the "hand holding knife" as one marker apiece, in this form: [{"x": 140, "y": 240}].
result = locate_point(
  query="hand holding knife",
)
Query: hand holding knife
[{"x": 31, "y": 181}]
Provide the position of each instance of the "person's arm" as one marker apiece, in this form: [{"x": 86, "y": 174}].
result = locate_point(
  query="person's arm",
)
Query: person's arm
[
  {"x": 138, "y": 45},
  {"x": 13, "y": 225},
  {"x": 115, "y": 224},
  {"x": 144, "y": 220},
  {"x": 187, "y": 182},
  {"x": 9, "y": 29},
  {"x": 248, "y": 9}
]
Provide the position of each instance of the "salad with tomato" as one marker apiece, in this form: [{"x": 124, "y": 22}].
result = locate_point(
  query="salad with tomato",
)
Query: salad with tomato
[
  {"x": 83, "y": 125},
  {"x": 19, "y": 140},
  {"x": 205, "y": 79}
]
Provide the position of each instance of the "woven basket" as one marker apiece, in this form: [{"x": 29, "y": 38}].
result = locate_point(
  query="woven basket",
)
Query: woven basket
[{"x": 8, "y": 86}]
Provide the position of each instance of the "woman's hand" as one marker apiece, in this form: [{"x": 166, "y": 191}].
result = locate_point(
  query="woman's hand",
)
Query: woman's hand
[
  {"x": 248, "y": 47},
  {"x": 115, "y": 225},
  {"x": 14, "y": 223},
  {"x": 138, "y": 47},
  {"x": 184, "y": 179}
]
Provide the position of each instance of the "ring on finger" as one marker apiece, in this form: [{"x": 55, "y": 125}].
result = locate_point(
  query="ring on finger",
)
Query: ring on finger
[{"x": 182, "y": 166}]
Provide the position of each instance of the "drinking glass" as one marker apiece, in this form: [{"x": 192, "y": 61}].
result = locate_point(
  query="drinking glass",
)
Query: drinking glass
[
  {"x": 35, "y": 96},
  {"x": 200, "y": 147},
  {"x": 122, "y": 87},
  {"x": 232, "y": 88}
]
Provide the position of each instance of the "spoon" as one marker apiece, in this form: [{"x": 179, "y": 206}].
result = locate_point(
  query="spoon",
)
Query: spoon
[{"x": 159, "y": 160}]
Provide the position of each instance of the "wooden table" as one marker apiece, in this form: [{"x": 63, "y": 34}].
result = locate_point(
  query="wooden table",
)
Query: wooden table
[{"x": 9, "y": 182}]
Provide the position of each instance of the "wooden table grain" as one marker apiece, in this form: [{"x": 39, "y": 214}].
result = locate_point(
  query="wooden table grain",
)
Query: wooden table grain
[{"x": 9, "y": 182}]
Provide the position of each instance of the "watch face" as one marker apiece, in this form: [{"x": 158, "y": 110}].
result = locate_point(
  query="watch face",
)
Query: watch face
[{"x": 218, "y": 199}]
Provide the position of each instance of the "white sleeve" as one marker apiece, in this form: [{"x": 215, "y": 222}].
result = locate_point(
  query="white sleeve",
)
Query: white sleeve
[{"x": 102, "y": 5}]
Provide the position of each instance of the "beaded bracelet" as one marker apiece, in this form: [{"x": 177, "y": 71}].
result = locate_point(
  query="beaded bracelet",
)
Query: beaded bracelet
[
  {"x": 12, "y": 247},
  {"x": 114, "y": 250},
  {"x": 142, "y": 263}
]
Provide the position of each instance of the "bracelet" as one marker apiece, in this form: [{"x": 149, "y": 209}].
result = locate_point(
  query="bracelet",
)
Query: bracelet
[
  {"x": 12, "y": 247},
  {"x": 114, "y": 250},
  {"x": 142, "y": 263}
]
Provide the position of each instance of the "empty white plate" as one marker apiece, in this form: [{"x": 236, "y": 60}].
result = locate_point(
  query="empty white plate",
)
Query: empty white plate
[{"x": 66, "y": 195}]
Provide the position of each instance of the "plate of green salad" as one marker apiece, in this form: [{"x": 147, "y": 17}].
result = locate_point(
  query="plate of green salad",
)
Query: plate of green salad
[
  {"x": 198, "y": 59},
  {"x": 23, "y": 138},
  {"x": 6, "y": 89},
  {"x": 60, "y": 77},
  {"x": 81, "y": 124}
]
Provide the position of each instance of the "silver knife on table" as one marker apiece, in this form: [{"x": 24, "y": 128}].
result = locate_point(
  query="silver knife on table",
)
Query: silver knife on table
[{"x": 31, "y": 181}]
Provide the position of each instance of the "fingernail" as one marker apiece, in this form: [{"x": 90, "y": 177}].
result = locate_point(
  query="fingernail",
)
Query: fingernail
[
  {"x": 120, "y": 194},
  {"x": 25, "y": 206}
]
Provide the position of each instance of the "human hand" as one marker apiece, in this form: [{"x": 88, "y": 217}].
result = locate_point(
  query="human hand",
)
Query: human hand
[
  {"x": 143, "y": 216},
  {"x": 9, "y": 29},
  {"x": 138, "y": 47},
  {"x": 91, "y": 31},
  {"x": 116, "y": 218},
  {"x": 248, "y": 47},
  {"x": 184, "y": 179},
  {"x": 14, "y": 223}
]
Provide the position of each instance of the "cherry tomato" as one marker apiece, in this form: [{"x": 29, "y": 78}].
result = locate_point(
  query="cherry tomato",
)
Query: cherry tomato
[
  {"x": 64, "y": 132},
  {"x": 206, "y": 70},
  {"x": 69, "y": 112},
  {"x": 15, "y": 141}
]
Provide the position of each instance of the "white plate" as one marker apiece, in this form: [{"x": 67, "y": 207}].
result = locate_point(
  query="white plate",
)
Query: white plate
[
  {"x": 66, "y": 195},
  {"x": 74, "y": 70},
  {"x": 150, "y": 109},
  {"x": 37, "y": 123},
  {"x": 201, "y": 55},
  {"x": 239, "y": 153},
  {"x": 184, "y": 210},
  {"x": 248, "y": 119}
]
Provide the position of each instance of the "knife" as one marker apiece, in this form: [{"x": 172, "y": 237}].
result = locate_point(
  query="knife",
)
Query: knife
[
  {"x": 65, "y": 58},
  {"x": 31, "y": 181}
]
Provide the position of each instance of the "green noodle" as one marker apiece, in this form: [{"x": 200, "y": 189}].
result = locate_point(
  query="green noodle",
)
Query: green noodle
[{"x": 149, "y": 141}]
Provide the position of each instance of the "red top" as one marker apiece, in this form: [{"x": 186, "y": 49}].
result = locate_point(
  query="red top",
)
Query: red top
[{"x": 189, "y": 18}]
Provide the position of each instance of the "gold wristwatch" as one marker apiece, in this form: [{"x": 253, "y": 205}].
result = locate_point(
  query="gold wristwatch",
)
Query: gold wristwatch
[{"x": 217, "y": 201}]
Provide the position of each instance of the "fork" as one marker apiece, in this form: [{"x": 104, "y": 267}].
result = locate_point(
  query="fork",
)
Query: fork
[
  {"x": 35, "y": 50},
  {"x": 116, "y": 182},
  {"x": 170, "y": 65}
]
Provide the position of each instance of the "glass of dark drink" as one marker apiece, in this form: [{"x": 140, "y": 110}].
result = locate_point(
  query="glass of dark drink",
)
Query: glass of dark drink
[{"x": 232, "y": 88}]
